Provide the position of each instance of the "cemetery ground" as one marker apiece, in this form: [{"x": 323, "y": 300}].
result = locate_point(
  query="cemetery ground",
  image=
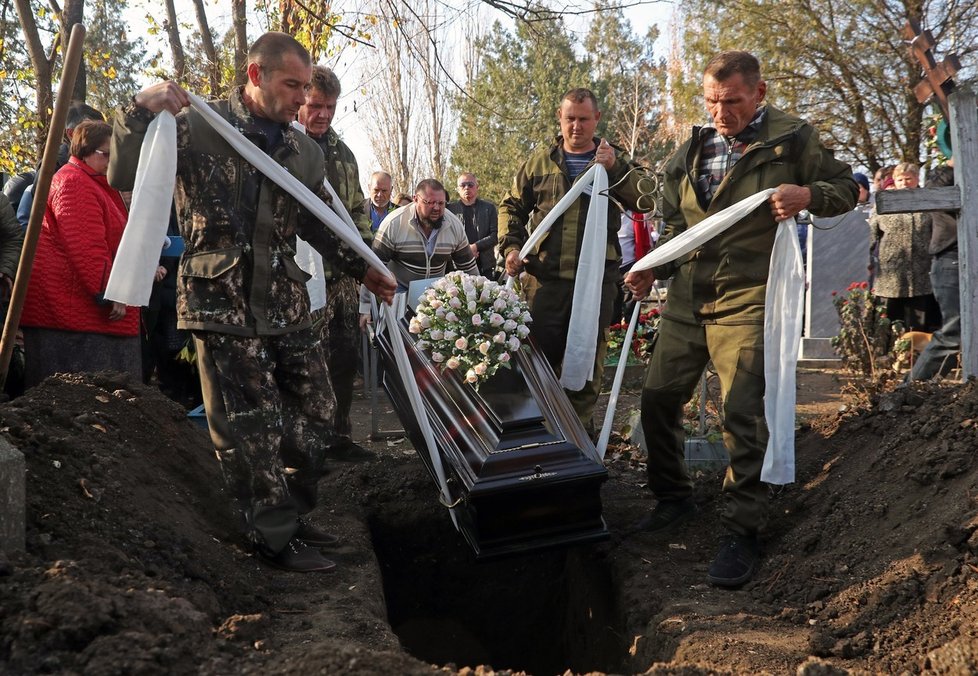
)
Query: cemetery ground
[{"x": 871, "y": 561}]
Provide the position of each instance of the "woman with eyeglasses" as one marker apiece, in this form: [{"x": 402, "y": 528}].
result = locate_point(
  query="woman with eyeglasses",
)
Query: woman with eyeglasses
[{"x": 68, "y": 325}]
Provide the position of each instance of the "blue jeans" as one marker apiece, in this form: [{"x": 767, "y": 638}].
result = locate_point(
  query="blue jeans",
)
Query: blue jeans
[{"x": 940, "y": 355}]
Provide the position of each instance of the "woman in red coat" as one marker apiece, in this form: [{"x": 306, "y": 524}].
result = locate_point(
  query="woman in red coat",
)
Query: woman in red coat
[{"x": 68, "y": 325}]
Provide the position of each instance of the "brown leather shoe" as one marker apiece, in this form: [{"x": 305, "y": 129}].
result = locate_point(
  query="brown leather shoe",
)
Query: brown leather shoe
[
  {"x": 314, "y": 537},
  {"x": 297, "y": 557}
]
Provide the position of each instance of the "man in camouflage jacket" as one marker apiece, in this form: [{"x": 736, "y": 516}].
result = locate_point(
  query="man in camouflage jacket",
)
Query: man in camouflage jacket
[
  {"x": 537, "y": 187},
  {"x": 337, "y": 323},
  {"x": 244, "y": 297}
]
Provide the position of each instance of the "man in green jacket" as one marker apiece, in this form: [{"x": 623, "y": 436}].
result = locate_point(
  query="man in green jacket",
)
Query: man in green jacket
[
  {"x": 715, "y": 308},
  {"x": 537, "y": 187},
  {"x": 338, "y": 322},
  {"x": 244, "y": 297}
]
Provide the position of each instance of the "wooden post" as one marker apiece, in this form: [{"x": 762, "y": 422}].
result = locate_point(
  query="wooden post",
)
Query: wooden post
[
  {"x": 42, "y": 185},
  {"x": 964, "y": 140}
]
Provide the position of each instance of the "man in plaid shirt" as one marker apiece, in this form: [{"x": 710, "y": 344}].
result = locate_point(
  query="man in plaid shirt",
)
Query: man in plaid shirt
[{"x": 715, "y": 309}]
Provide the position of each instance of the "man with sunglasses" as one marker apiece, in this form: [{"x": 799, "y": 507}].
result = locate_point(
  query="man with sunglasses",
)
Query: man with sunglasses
[
  {"x": 481, "y": 222},
  {"x": 537, "y": 188}
]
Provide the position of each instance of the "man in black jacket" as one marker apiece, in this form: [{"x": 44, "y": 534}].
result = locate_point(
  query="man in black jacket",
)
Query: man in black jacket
[{"x": 481, "y": 222}]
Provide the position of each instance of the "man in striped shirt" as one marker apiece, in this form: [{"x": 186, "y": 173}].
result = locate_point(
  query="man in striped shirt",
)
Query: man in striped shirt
[{"x": 418, "y": 240}]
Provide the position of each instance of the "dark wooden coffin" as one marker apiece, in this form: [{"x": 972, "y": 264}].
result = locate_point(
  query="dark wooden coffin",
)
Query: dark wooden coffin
[{"x": 518, "y": 461}]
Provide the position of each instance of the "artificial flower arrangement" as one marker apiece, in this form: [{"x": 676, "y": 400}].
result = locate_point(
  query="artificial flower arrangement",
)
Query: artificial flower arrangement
[{"x": 470, "y": 324}]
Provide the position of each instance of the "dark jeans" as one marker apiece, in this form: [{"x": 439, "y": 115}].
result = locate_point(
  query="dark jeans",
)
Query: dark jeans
[{"x": 940, "y": 355}]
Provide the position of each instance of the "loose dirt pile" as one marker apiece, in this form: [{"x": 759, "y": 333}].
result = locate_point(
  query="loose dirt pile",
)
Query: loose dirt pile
[{"x": 132, "y": 565}]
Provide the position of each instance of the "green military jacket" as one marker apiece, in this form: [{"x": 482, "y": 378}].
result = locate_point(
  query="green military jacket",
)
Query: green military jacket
[
  {"x": 537, "y": 187},
  {"x": 343, "y": 174},
  {"x": 238, "y": 273},
  {"x": 724, "y": 281}
]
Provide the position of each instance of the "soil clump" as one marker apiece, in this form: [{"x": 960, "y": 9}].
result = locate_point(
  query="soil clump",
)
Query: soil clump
[{"x": 133, "y": 564}]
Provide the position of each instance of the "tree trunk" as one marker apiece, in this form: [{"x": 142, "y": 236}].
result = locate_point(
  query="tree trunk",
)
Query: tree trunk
[
  {"x": 240, "y": 20},
  {"x": 207, "y": 41},
  {"x": 74, "y": 12},
  {"x": 42, "y": 70},
  {"x": 173, "y": 35}
]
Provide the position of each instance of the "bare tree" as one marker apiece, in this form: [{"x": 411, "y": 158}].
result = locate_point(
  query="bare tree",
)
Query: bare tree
[
  {"x": 207, "y": 42},
  {"x": 173, "y": 38},
  {"x": 391, "y": 103},
  {"x": 43, "y": 64}
]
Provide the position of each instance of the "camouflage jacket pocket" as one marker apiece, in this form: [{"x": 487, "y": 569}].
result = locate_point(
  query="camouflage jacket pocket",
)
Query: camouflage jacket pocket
[{"x": 212, "y": 289}]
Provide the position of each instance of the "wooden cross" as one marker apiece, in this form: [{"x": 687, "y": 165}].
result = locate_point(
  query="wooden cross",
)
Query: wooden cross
[
  {"x": 962, "y": 197},
  {"x": 937, "y": 80}
]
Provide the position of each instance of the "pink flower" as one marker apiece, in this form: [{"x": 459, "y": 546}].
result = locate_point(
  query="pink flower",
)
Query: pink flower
[
  {"x": 484, "y": 347},
  {"x": 437, "y": 357},
  {"x": 452, "y": 362},
  {"x": 480, "y": 368},
  {"x": 476, "y": 320},
  {"x": 504, "y": 357},
  {"x": 461, "y": 343},
  {"x": 470, "y": 376}
]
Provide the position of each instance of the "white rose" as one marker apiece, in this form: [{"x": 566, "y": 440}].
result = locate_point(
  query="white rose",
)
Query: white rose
[
  {"x": 499, "y": 337},
  {"x": 452, "y": 363},
  {"x": 425, "y": 320},
  {"x": 495, "y": 319},
  {"x": 476, "y": 320},
  {"x": 455, "y": 303},
  {"x": 437, "y": 334},
  {"x": 509, "y": 325},
  {"x": 526, "y": 318},
  {"x": 440, "y": 313},
  {"x": 414, "y": 326},
  {"x": 500, "y": 304},
  {"x": 449, "y": 334},
  {"x": 470, "y": 376},
  {"x": 472, "y": 306},
  {"x": 514, "y": 344},
  {"x": 435, "y": 304},
  {"x": 484, "y": 347},
  {"x": 451, "y": 317},
  {"x": 437, "y": 357},
  {"x": 504, "y": 357},
  {"x": 522, "y": 331}
]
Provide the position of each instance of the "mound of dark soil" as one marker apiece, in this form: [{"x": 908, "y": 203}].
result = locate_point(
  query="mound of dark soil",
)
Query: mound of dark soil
[{"x": 133, "y": 566}]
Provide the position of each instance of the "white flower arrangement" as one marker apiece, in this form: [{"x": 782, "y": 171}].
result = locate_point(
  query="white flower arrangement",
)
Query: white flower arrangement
[{"x": 471, "y": 325}]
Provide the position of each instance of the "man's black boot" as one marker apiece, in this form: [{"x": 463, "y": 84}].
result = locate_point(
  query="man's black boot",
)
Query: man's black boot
[
  {"x": 314, "y": 537},
  {"x": 297, "y": 557},
  {"x": 736, "y": 561},
  {"x": 667, "y": 516}
]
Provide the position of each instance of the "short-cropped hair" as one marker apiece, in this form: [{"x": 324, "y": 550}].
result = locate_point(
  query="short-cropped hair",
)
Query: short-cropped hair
[
  {"x": 268, "y": 50},
  {"x": 324, "y": 80},
  {"x": 429, "y": 184},
  {"x": 725, "y": 65},
  {"x": 580, "y": 95}
]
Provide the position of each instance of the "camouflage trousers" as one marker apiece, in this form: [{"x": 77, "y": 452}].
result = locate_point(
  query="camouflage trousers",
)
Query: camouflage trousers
[
  {"x": 269, "y": 409},
  {"x": 337, "y": 326}
]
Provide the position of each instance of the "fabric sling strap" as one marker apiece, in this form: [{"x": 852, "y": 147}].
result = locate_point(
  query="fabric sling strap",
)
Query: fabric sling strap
[
  {"x": 783, "y": 307},
  {"x": 131, "y": 284},
  {"x": 577, "y": 366}
]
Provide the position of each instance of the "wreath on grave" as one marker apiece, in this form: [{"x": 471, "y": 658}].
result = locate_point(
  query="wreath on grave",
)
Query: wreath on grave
[{"x": 471, "y": 325}]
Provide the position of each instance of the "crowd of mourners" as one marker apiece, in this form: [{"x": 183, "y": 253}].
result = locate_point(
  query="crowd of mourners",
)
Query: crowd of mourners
[{"x": 268, "y": 304}]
